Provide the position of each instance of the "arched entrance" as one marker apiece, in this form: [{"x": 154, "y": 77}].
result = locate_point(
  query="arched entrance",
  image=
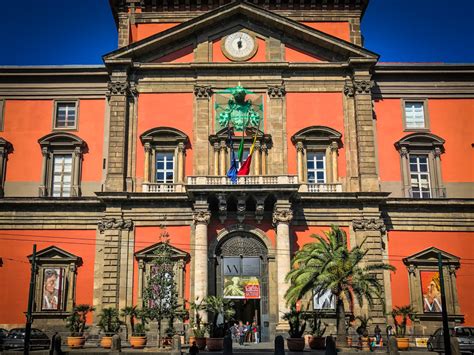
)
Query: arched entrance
[{"x": 241, "y": 269}]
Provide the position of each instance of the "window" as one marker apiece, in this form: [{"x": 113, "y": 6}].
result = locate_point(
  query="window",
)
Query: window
[
  {"x": 165, "y": 151},
  {"x": 420, "y": 176},
  {"x": 420, "y": 155},
  {"x": 317, "y": 158},
  {"x": 62, "y": 164},
  {"x": 55, "y": 281},
  {"x": 65, "y": 116},
  {"x": 316, "y": 167},
  {"x": 5, "y": 149},
  {"x": 415, "y": 115}
]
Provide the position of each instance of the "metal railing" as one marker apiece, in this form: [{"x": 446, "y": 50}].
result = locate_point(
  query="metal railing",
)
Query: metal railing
[{"x": 244, "y": 180}]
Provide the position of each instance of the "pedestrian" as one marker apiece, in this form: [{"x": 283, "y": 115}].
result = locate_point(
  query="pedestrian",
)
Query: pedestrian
[
  {"x": 255, "y": 332},
  {"x": 241, "y": 333},
  {"x": 193, "y": 349},
  {"x": 378, "y": 335}
]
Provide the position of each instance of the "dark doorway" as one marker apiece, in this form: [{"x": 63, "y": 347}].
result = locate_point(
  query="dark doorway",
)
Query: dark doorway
[{"x": 247, "y": 311}]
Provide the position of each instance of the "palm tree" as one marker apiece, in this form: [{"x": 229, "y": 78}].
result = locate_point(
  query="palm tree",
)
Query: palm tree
[
  {"x": 328, "y": 264},
  {"x": 132, "y": 312}
]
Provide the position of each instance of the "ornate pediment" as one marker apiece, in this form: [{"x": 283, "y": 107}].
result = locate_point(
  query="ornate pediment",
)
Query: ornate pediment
[
  {"x": 149, "y": 253},
  {"x": 54, "y": 254},
  {"x": 429, "y": 257}
]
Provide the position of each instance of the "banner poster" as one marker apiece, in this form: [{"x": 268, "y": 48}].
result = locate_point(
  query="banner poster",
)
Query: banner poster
[
  {"x": 431, "y": 288},
  {"x": 323, "y": 299},
  {"x": 53, "y": 285},
  {"x": 243, "y": 287}
]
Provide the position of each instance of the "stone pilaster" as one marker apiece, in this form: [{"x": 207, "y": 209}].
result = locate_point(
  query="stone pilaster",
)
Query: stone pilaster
[
  {"x": 123, "y": 30},
  {"x": 276, "y": 122},
  {"x": 201, "y": 219},
  {"x": 350, "y": 141},
  {"x": 202, "y": 119},
  {"x": 370, "y": 230},
  {"x": 300, "y": 162},
  {"x": 282, "y": 216}
]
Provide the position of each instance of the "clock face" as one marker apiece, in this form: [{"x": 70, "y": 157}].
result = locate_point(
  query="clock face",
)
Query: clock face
[{"x": 239, "y": 46}]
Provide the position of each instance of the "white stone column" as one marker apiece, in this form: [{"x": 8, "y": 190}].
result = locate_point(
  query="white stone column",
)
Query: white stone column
[
  {"x": 216, "y": 158},
  {"x": 76, "y": 173},
  {"x": 256, "y": 161},
  {"x": 439, "y": 192},
  {"x": 44, "y": 172},
  {"x": 201, "y": 220},
  {"x": 181, "y": 149},
  {"x": 299, "y": 161},
  {"x": 334, "y": 148},
  {"x": 146, "y": 173},
  {"x": 223, "y": 159},
  {"x": 405, "y": 171},
  {"x": 282, "y": 216},
  {"x": 264, "y": 150}
]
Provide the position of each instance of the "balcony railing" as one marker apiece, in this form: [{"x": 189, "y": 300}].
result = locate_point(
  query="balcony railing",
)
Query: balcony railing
[
  {"x": 157, "y": 187},
  {"x": 320, "y": 187},
  {"x": 427, "y": 193},
  {"x": 244, "y": 180}
]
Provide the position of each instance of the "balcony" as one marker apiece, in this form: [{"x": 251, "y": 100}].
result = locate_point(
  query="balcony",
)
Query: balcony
[
  {"x": 244, "y": 180},
  {"x": 427, "y": 193},
  {"x": 311, "y": 187},
  {"x": 164, "y": 188}
]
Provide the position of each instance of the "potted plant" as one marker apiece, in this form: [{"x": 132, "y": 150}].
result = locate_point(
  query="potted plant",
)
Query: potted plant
[
  {"x": 363, "y": 332},
  {"x": 76, "y": 323},
  {"x": 137, "y": 333},
  {"x": 402, "y": 313},
  {"x": 109, "y": 323},
  {"x": 218, "y": 306},
  {"x": 297, "y": 327},
  {"x": 316, "y": 341},
  {"x": 199, "y": 329}
]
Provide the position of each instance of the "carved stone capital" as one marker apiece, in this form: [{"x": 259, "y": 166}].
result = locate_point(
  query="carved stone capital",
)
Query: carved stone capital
[
  {"x": 437, "y": 152},
  {"x": 349, "y": 89},
  {"x": 369, "y": 224},
  {"x": 404, "y": 152},
  {"x": 113, "y": 223},
  {"x": 282, "y": 216},
  {"x": 363, "y": 86},
  {"x": 276, "y": 92},
  {"x": 216, "y": 146},
  {"x": 202, "y": 217},
  {"x": 202, "y": 92},
  {"x": 181, "y": 148},
  {"x": 133, "y": 90},
  {"x": 411, "y": 269},
  {"x": 334, "y": 147},
  {"x": 147, "y": 147},
  {"x": 117, "y": 88},
  {"x": 299, "y": 147},
  {"x": 44, "y": 151}
]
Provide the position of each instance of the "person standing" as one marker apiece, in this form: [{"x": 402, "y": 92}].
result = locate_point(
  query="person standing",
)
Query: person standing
[{"x": 241, "y": 333}]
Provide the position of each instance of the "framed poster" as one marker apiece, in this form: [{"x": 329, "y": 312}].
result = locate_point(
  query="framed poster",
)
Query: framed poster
[
  {"x": 241, "y": 287},
  {"x": 324, "y": 300},
  {"x": 53, "y": 289},
  {"x": 431, "y": 288}
]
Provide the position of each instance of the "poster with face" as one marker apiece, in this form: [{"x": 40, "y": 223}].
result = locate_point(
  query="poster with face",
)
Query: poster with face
[
  {"x": 53, "y": 284},
  {"x": 241, "y": 287},
  {"x": 430, "y": 286},
  {"x": 324, "y": 299}
]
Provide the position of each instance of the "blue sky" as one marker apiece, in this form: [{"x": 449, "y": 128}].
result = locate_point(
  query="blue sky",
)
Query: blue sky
[{"x": 81, "y": 31}]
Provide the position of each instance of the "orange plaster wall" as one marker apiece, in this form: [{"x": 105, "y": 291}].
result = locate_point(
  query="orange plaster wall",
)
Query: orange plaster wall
[
  {"x": 144, "y": 30},
  {"x": 184, "y": 55},
  {"x": 218, "y": 56},
  {"x": 314, "y": 109},
  {"x": 28, "y": 120},
  {"x": 451, "y": 119},
  {"x": 302, "y": 234},
  {"x": 403, "y": 243},
  {"x": 293, "y": 54},
  {"x": 165, "y": 110},
  {"x": 179, "y": 237},
  {"x": 337, "y": 29},
  {"x": 15, "y": 273}
]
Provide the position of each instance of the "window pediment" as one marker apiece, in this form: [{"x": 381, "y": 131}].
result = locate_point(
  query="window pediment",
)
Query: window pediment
[
  {"x": 164, "y": 137},
  {"x": 429, "y": 257},
  {"x": 421, "y": 141},
  {"x": 62, "y": 140},
  {"x": 54, "y": 254},
  {"x": 317, "y": 136},
  {"x": 148, "y": 253}
]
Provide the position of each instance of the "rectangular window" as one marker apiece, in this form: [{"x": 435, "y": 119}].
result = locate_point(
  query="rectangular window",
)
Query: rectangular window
[
  {"x": 420, "y": 176},
  {"x": 415, "y": 115},
  {"x": 164, "y": 168},
  {"x": 316, "y": 164},
  {"x": 62, "y": 173},
  {"x": 66, "y": 115}
]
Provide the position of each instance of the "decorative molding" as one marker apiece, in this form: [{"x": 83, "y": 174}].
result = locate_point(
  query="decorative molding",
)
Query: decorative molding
[
  {"x": 349, "y": 89},
  {"x": 282, "y": 216},
  {"x": 404, "y": 152},
  {"x": 202, "y": 92},
  {"x": 202, "y": 217},
  {"x": 113, "y": 223},
  {"x": 260, "y": 209},
  {"x": 369, "y": 224},
  {"x": 411, "y": 269},
  {"x": 363, "y": 86},
  {"x": 222, "y": 207},
  {"x": 117, "y": 88},
  {"x": 241, "y": 207},
  {"x": 299, "y": 147},
  {"x": 276, "y": 92}
]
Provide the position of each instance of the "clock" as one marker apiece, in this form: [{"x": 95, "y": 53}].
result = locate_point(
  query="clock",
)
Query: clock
[{"x": 239, "y": 46}]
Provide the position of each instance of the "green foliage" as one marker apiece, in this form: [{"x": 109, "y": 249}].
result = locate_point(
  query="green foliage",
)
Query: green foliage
[
  {"x": 315, "y": 323},
  {"x": 296, "y": 322},
  {"x": 109, "y": 321},
  {"x": 364, "y": 324},
  {"x": 404, "y": 313},
  {"x": 76, "y": 322},
  {"x": 218, "y": 306},
  {"x": 328, "y": 264},
  {"x": 133, "y": 313},
  {"x": 199, "y": 329}
]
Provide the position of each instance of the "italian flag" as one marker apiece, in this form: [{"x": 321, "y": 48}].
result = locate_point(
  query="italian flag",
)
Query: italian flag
[{"x": 245, "y": 167}]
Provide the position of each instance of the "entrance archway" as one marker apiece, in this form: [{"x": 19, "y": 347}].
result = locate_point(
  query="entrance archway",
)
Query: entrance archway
[{"x": 241, "y": 270}]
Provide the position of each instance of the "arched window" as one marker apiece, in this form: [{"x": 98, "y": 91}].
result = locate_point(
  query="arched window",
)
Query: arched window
[
  {"x": 62, "y": 164},
  {"x": 165, "y": 151},
  {"x": 420, "y": 155},
  {"x": 317, "y": 150}
]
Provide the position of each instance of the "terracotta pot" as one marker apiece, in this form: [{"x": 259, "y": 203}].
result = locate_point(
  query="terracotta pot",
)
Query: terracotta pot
[
  {"x": 106, "y": 342},
  {"x": 317, "y": 343},
  {"x": 201, "y": 343},
  {"x": 364, "y": 343},
  {"x": 191, "y": 339},
  {"x": 137, "y": 342},
  {"x": 215, "y": 344},
  {"x": 295, "y": 344},
  {"x": 76, "y": 342},
  {"x": 403, "y": 343}
]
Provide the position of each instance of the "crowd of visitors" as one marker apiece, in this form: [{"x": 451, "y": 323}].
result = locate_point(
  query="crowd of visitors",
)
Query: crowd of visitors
[{"x": 245, "y": 333}]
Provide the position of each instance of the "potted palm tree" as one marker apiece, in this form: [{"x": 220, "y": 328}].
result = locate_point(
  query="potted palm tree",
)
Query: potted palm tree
[
  {"x": 316, "y": 341},
  {"x": 198, "y": 328},
  {"x": 328, "y": 264},
  {"x": 109, "y": 324},
  {"x": 137, "y": 332},
  {"x": 76, "y": 323},
  {"x": 218, "y": 306},
  {"x": 402, "y": 313},
  {"x": 363, "y": 332},
  {"x": 297, "y": 327}
]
